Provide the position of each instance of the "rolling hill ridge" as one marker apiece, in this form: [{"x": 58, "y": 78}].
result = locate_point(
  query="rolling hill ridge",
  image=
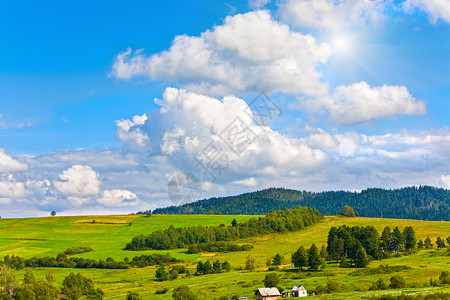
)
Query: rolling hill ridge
[{"x": 419, "y": 203}]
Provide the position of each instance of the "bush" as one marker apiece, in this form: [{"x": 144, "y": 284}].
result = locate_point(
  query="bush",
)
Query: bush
[
  {"x": 76, "y": 286},
  {"x": 162, "y": 274},
  {"x": 343, "y": 263},
  {"x": 133, "y": 296},
  {"x": 174, "y": 274},
  {"x": 332, "y": 286},
  {"x": 397, "y": 282},
  {"x": 347, "y": 211},
  {"x": 77, "y": 250},
  {"x": 161, "y": 292},
  {"x": 320, "y": 290},
  {"x": 183, "y": 292},
  {"x": 271, "y": 280},
  {"x": 445, "y": 277}
]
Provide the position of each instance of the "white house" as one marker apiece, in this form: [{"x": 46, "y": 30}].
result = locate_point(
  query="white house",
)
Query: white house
[{"x": 299, "y": 291}]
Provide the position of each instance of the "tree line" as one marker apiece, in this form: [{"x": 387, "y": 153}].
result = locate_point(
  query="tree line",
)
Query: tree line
[
  {"x": 62, "y": 261},
  {"x": 420, "y": 203},
  {"x": 218, "y": 247},
  {"x": 275, "y": 221}
]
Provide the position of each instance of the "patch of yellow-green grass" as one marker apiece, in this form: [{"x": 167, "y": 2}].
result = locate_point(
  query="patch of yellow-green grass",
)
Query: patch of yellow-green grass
[{"x": 108, "y": 219}]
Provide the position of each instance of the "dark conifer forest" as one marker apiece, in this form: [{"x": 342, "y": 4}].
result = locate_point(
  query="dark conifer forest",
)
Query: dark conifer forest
[{"x": 420, "y": 203}]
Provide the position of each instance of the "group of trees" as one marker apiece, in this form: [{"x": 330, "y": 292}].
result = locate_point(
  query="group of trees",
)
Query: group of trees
[
  {"x": 353, "y": 245},
  {"x": 203, "y": 268},
  {"x": 359, "y": 245},
  {"x": 74, "y": 286},
  {"x": 396, "y": 240},
  {"x": 308, "y": 258},
  {"x": 420, "y": 203},
  {"x": 440, "y": 243},
  {"x": 63, "y": 261},
  {"x": 275, "y": 221},
  {"x": 277, "y": 260},
  {"x": 396, "y": 282},
  {"x": 162, "y": 274},
  {"x": 216, "y": 267},
  {"x": 218, "y": 247}
]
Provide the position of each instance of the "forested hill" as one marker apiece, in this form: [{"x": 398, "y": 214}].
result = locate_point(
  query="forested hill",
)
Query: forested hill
[{"x": 420, "y": 203}]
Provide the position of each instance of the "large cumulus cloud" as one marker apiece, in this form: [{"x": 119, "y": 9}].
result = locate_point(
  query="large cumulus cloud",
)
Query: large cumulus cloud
[{"x": 249, "y": 52}]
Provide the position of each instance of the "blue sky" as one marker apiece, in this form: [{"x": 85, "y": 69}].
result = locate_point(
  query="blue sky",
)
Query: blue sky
[{"x": 364, "y": 88}]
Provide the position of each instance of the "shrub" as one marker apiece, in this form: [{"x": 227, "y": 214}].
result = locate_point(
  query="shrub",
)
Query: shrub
[
  {"x": 161, "y": 292},
  {"x": 174, "y": 274},
  {"x": 397, "y": 282},
  {"x": 133, "y": 296},
  {"x": 271, "y": 280},
  {"x": 77, "y": 250},
  {"x": 332, "y": 286},
  {"x": 183, "y": 292},
  {"x": 445, "y": 277}
]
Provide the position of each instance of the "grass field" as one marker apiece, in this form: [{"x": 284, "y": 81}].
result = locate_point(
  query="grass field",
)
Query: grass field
[{"x": 109, "y": 234}]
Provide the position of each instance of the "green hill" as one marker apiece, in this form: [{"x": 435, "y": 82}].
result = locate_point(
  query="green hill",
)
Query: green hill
[
  {"x": 108, "y": 236},
  {"x": 419, "y": 203}
]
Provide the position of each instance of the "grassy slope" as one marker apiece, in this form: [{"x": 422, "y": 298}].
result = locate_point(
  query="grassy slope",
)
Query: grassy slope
[
  {"x": 59, "y": 233},
  {"x": 50, "y": 236}
]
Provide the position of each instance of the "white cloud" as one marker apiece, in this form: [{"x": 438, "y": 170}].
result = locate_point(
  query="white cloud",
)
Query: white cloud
[
  {"x": 436, "y": 9},
  {"x": 187, "y": 123},
  {"x": 11, "y": 190},
  {"x": 78, "y": 182},
  {"x": 249, "y": 52},
  {"x": 118, "y": 198},
  {"x": 348, "y": 160},
  {"x": 446, "y": 181},
  {"x": 334, "y": 15},
  {"x": 248, "y": 182},
  {"x": 359, "y": 102},
  {"x": 9, "y": 164},
  {"x": 130, "y": 132},
  {"x": 256, "y": 4}
]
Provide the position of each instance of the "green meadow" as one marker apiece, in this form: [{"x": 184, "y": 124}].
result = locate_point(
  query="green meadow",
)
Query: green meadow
[{"x": 108, "y": 235}]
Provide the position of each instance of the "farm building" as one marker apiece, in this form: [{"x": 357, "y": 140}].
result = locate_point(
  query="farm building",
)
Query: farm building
[
  {"x": 267, "y": 294},
  {"x": 299, "y": 291}
]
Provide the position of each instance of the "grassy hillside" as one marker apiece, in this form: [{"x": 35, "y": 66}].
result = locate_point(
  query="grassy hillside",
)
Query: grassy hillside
[{"x": 109, "y": 234}]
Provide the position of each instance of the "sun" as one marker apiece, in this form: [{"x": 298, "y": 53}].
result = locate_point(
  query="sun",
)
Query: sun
[{"x": 342, "y": 44}]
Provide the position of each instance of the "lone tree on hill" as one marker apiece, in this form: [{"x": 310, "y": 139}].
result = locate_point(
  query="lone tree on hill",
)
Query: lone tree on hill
[
  {"x": 271, "y": 280},
  {"x": 149, "y": 214},
  {"x": 53, "y": 213},
  {"x": 250, "y": 263},
  {"x": 348, "y": 211}
]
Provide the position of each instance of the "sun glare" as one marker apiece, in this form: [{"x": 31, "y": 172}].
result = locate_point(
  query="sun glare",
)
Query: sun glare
[{"x": 342, "y": 44}]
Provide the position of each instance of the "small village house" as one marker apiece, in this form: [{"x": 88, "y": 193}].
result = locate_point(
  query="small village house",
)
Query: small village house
[
  {"x": 267, "y": 294},
  {"x": 299, "y": 291}
]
